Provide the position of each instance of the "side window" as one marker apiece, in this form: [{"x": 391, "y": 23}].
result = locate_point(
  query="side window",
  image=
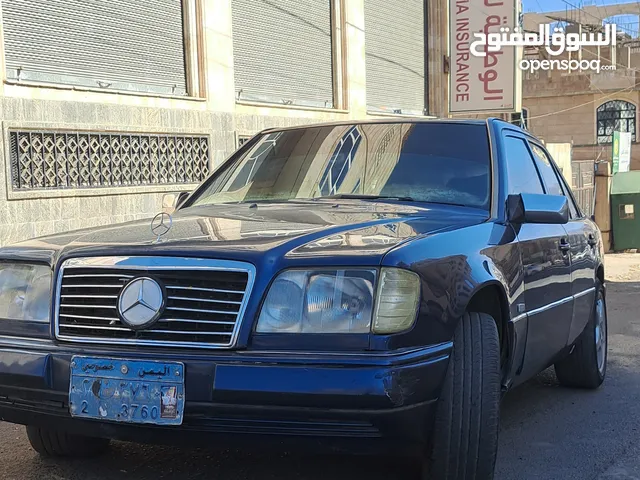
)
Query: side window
[
  {"x": 521, "y": 172},
  {"x": 546, "y": 171},
  {"x": 544, "y": 163}
]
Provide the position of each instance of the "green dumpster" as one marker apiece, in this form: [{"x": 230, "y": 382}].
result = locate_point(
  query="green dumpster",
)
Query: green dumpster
[{"x": 625, "y": 202}]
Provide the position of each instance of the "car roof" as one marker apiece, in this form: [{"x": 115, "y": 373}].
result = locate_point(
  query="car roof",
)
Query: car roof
[{"x": 408, "y": 120}]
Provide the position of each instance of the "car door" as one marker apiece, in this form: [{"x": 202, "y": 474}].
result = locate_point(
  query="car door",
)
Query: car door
[
  {"x": 582, "y": 236},
  {"x": 546, "y": 266}
]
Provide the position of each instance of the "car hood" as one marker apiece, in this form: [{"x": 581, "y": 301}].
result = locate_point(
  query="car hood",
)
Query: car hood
[{"x": 243, "y": 231}]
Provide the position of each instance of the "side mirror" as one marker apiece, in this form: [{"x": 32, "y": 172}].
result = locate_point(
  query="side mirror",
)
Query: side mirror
[
  {"x": 173, "y": 201},
  {"x": 537, "y": 208}
]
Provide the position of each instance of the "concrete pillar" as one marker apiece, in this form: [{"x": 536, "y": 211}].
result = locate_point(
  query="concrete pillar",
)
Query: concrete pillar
[
  {"x": 355, "y": 64},
  {"x": 218, "y": 55},
  {"x": 438, "y": 46},
  {"x": 603, "y": 202}
]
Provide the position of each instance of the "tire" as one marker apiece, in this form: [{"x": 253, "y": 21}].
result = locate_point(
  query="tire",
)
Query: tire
[
  {"x": 464, "y": 441},
  {"x": 584, "y": 367},
  {"x": 55, "y": 443}
]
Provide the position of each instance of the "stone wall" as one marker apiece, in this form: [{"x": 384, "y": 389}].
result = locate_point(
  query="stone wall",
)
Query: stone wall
[{"x": 26, "y": 214}]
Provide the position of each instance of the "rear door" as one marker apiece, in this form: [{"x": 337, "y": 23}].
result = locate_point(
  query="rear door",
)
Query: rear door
[
  {"x": 582, "y": 236},
  {"x": 546, "y": 266}
]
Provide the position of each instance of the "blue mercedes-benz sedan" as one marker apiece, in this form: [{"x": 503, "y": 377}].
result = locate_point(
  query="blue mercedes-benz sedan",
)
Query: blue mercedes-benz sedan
[{"x": 370, "y": 286}]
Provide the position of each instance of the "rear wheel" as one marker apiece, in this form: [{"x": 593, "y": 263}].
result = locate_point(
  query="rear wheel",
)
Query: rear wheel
[
  {"x": 586, "y": 366},
  {"x": 55, "y": 443},
  {"x": 465, "y": 437}
]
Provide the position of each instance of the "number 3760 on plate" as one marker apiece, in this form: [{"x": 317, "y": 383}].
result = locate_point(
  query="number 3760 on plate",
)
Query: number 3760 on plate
[{"x": 127, "y": 390}]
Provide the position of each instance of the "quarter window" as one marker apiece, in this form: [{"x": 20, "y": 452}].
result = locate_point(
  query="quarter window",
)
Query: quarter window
[
  {"x": 545, "y": 168},
  {"x": 616, "y": 116},
  {"x": 554, "y": 178},
  {"x": 521, "y": 172}
]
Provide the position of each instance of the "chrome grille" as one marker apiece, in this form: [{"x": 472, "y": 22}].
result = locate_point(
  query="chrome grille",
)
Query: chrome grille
[{"x": 205, "y": 300}]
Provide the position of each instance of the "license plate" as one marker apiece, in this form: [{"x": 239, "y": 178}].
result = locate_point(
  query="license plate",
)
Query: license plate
[{"x": 127, "y": 391}]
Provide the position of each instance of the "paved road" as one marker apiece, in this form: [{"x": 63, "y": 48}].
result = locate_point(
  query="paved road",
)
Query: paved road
[{"x": 547, "y": 432}]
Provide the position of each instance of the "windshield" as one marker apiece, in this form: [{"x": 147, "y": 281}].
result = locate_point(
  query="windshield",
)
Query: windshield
[{"x": 425, "y": 162}]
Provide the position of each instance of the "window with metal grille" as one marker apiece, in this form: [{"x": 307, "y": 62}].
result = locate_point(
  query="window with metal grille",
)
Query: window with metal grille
[
  {"x": 66, "y": 159},
  {"x": 521, "y": 119},
  {"x": 242, "y": 139},
  {"x": 616, "y": 116},
  {"x": 114, "y": 45}
]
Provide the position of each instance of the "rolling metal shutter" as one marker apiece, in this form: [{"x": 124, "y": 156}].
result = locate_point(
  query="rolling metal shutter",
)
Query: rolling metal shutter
[
  {"x": 116, "y": 44},
  {"x": 395, "y": 56},
  {"x": 282, "y": 51}
]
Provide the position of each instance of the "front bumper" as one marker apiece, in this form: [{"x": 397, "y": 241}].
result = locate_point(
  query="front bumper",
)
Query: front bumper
[{"x": 344, "y": 401}]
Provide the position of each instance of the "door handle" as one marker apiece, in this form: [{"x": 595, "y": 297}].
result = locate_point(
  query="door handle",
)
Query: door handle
[
  {"x": 564, "y": 245},
  {"x": 592, "y": 240}
]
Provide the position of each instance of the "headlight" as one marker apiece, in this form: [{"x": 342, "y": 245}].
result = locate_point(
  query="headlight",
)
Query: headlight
[
  {"x": 25, "y": 292},
  {"x": 322, "y": 301},
  {"x": 340, "y": 301}
]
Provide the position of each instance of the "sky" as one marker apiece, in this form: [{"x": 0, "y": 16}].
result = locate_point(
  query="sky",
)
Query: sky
[
  {"x": 626, "y": 23},
  {"x": 552, "y": 5}
]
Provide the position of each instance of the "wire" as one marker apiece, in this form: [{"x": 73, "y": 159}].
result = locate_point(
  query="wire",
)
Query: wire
[
  {"x": 601, "y": 20},
  {"x": 583, "y": 10},
  {"x": 606, "y": 13},
  {"x": 617, "y": 92}
]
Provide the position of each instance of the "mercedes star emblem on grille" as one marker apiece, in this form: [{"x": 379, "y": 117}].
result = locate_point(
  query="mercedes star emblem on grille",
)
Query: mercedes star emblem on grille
[
  {"x": 141, "y": 303},
  {"x": 161, "y": 224}
]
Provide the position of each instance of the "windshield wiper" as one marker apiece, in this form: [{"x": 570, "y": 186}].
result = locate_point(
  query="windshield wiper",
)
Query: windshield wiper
[{"x": 355, "y": 196}]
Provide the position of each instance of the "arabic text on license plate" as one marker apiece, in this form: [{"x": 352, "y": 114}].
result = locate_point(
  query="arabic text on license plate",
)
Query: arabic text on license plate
[{"x": 127, "y": 390}]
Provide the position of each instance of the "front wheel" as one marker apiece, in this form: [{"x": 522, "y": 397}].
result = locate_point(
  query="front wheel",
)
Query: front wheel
[
  {"x": 586, "y": 366},
  {"x": 55, "y": 443},
  {"x": 464, "y": 442}
]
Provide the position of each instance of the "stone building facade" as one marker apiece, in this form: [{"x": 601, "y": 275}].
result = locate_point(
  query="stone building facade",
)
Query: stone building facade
[
  {"x": 80, "y": 148},
  {"x": 585, "y": 107}
]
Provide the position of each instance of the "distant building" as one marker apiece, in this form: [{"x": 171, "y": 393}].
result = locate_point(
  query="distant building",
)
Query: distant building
[{"x": 585, "y": 108}]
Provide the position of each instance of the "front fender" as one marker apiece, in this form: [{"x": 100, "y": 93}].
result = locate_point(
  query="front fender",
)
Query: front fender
[{"x": 453, "y": 266}]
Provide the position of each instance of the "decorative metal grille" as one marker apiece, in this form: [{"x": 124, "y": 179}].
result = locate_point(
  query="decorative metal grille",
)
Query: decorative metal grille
[
  {"x": 64, "y": 159},
  {"x": 616, "y": 115}
]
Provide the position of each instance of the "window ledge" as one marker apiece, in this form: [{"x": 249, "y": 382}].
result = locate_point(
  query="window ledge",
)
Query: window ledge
[
  {"x": 72, "y": 88},
  {"x": 637, "y": 142},
  {"x": 290, "y": 107},
  {"x": 99, "y": 191},
  {"x": 400, "y": 115}
]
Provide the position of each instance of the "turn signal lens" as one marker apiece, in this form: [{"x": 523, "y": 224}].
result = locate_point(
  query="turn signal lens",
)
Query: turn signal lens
[{"x": 397, "y": 301}]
